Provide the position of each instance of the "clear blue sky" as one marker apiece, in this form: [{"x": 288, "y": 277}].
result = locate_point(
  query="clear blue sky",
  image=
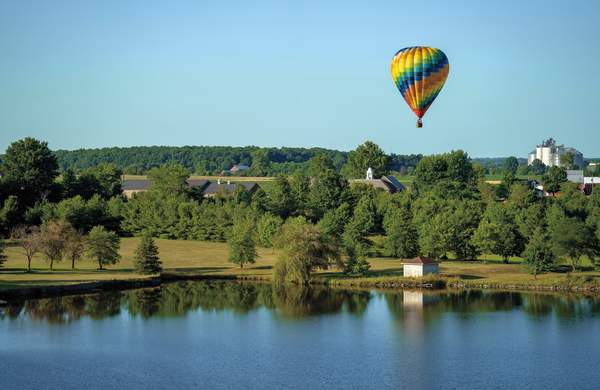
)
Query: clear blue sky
[{"x": 304, "y": 73}]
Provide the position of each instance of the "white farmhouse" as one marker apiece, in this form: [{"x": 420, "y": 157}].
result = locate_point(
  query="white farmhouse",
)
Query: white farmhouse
[{"x": 420, "y": 266}]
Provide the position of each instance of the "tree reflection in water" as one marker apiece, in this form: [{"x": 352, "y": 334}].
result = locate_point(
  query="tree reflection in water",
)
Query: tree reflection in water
[{"x": 177, "y": 299}]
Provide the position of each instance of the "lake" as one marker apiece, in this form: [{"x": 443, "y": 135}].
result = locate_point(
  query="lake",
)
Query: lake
[{"x": 223, "y": 335}]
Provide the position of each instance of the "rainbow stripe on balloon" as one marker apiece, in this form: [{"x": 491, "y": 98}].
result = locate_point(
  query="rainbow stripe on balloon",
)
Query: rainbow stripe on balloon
[{"x": 419, "y": 74}]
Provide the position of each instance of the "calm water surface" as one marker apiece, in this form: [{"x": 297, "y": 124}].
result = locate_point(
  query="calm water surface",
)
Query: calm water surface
[{"x": 223, "y": 335}]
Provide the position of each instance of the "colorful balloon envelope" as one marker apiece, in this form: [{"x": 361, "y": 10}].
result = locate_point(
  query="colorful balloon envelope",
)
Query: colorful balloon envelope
[{"x": 419, "y": 74}]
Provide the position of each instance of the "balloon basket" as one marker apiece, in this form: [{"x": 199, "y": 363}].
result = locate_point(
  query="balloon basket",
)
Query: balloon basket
[{"x": 419, "y": 123}]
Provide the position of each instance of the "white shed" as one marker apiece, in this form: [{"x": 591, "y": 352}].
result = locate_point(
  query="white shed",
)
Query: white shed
[{"x": 420, "y": 266}]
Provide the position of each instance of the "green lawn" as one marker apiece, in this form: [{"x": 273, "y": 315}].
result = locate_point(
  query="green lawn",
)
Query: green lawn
[
  {"x": 177, "y": 256},
  {"x": 209, "y": 258}
]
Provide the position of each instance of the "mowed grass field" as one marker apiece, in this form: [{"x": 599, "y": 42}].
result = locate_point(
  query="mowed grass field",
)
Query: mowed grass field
[
  {"x": 176, "y": 256},
  {"x": 211, "y": 258}
]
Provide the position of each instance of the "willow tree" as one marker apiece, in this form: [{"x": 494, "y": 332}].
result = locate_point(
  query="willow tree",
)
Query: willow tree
[{"x": 303, "y": 249}]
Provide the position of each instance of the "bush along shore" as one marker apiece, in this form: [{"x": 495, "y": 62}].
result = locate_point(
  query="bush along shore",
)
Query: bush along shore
[{"x": 571, "y": 284}]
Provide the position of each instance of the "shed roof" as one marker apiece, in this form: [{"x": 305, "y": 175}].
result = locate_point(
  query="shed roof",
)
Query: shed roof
[{"x": 419, "y": 260}]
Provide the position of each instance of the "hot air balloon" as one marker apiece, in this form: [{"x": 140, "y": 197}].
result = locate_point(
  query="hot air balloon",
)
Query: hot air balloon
[{"x": 419, "y": 74}]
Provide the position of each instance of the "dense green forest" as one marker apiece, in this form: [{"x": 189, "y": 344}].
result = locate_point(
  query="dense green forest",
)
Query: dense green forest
[
  {"x": 447, "y": 211},
  {"x": 213, "y": 160}
]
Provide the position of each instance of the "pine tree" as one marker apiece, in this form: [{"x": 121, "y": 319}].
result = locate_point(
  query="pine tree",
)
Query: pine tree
[{"x": 146, "y": 258}]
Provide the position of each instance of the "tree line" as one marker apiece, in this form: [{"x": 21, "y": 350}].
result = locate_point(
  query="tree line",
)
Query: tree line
[
  {"x": 213, "y": 160},
  {"x": 315, "y": 217}
]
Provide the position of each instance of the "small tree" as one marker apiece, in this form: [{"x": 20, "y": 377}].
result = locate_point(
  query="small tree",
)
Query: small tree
[
  {"x": 52, "y": 240},
  {"x": 103, "y": 246},
  {"x": 538, "y": 254},
  {"x": 74, "y": 246},
  {"x": 355, "y": 266},
  {"x": 28, "y": 238},
  {"x": 242, "y": 248},
  {"x": 146, "y": 258}
]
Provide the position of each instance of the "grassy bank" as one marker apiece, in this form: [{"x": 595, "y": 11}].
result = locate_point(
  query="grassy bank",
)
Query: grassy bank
[
  {"x": 181, "y": 257},
  {"x": 209, "y": 259}
]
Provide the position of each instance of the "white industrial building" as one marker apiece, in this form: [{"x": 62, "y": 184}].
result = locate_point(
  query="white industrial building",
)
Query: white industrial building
[{"x": 549, "y": 154}]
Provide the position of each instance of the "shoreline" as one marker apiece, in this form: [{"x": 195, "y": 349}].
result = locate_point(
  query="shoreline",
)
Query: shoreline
[{"x": 397, "y": 283}]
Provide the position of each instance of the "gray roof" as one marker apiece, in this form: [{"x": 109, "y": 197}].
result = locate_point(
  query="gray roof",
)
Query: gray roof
[
  {"x": 145, "y": 184},
  {"x": 136, "y": 184},
  {"x": 394, "y": 182},
  {"x": 386, "y": 183},
  {"x": 214, "y": 188}
]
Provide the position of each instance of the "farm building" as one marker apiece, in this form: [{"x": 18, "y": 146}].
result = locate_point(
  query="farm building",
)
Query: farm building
[
  {"x": 208, "y": 188},
  {"x": 386, "y": 183},
  {"x": 239, "y": 168},
  {"x": 218, "y": 187},
  {"x": 132, "y": 186},
  {"x": 420, "y": 266}
]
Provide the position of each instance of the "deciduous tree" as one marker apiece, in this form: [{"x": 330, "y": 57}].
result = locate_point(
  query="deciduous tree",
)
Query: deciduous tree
[
  {"x": 103, "y": 246},
  {"x": 53, "y": 238},
  {"x": 328, "y": 190},
  {"x": 267, "y": 227},
  {"x": 538, "y": 253},
  {"x": 572, "y": 239},
  {"x": 402, "y": 238},
  {"x": 242, "y": 248},
  {"x": 281, "y": 200},
  {"x": 334, "y": 221},
  {"x": 553, "y": 179},
  {"x": 28, "y": 238},
  {"x": 29, "y": 168},
  {"x": 366, "y": 155},
  {"x": 74, "y": 245}
]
